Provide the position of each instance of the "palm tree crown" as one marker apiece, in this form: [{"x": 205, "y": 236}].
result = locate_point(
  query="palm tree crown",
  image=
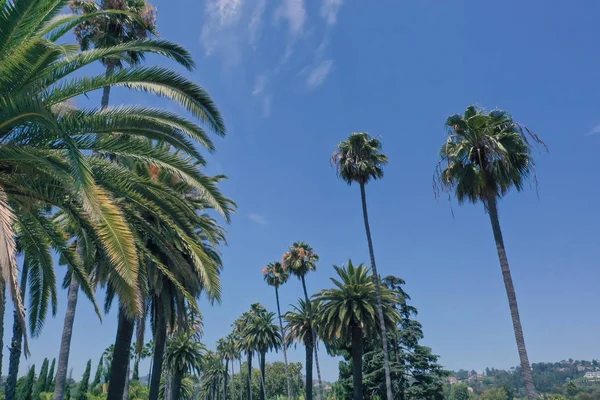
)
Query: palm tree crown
[
  {"x": 184, "y": 353},
  {"x": 486, "y": 154},
  {"x": 300, "y": 259},
  {"x": 298, "y": 323},
  {"x": 352, "y": 303},
  {"x": 262, "y": 333},
  {"x": 275, "y": 275},
  {"x": 359, "y": 159}
]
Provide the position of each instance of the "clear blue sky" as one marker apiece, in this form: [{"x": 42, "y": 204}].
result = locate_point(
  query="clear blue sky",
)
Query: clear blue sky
[{"x": 295, "y": 77}]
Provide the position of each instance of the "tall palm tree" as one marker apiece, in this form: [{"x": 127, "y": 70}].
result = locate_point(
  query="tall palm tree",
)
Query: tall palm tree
[
  {"x": 263, "y": 335},
  {"x": 299, "y": 330},
  {"x": 359, "y": 159},
  {"x": 241, "y": 327},
  {"x": 299, "y": 261},
  {"x": 108, "y": 30},
  {"x": 275, "y": 275},
  {"x": 228, "y": 352},
  {"x": 184, "y": 355},
  {"x": 486, "y": 154},
  {"x": 348, "y": 314}
]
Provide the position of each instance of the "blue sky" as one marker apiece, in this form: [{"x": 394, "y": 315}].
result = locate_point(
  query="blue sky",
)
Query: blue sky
[{"x": 295, "y": 77}]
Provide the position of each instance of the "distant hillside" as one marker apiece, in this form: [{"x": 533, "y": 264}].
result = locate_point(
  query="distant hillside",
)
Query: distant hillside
[{"x": 548, "y": 377}]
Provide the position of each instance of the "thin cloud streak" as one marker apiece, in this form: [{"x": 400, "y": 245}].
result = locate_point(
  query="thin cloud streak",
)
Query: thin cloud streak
[
  {"x": 330, "y": 9},
  {"x": 259, "y": 219},
  {"x": 319, "y": 74}
]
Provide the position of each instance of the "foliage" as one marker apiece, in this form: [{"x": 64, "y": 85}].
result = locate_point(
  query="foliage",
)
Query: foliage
[
  {"x": 138, "y": 391},
  {"x": 50, "y": 379},
  {"x": 98, "y": 375},
  {"x": 83, "y": 386},
  {"x": 41, "y": 382},
  {"x": 275, "y": 381},
  {"x": 415, "y": 371},
  {"x": 495, "y": 394},
  {"x": 25, "y": 385},
  {"x": 460, "y": 391},
  {"x": 359, "y": 159}
]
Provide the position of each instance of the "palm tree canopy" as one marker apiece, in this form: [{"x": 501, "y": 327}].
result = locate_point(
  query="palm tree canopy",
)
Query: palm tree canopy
[
  {"x": 45, "y": 139},
  {"x": 185, "y": 353},
  {"x": 300, "y": 259},
  {"x": 353, "y": 303},
  {"x": 485, "y": 154},
  {"x": 298, "y": 326},
  {"x": 275, "y": 275},
  {"x": 359, "y": 159},
  {"x": 105, "y": 30},
  {"x": 262, "y": 333}
]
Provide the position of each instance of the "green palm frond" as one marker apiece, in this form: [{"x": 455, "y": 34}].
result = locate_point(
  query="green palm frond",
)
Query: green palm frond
[
  {"x": 352, "y": 303},
  {"x": 485, "y": 155},
  {"x": 359, "y": 159},
  {"x": 300, "y": 259}
]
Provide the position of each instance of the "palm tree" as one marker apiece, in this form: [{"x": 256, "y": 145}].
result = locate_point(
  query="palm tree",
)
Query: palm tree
[
  {"x": 106, "y": 30},
  {"x": 348, "y": 314},
  {"x": 241, "y": 327},
  {"x": 486, "y": 154},
  {"x": 359, "y": 159},
  {"x": 184, "y": 355},
  {"x": 275, "y": 275},
  {"x": 263, "y": 335},
  {"x": 299, "y": 261},
  {"x": 228, "y": 352},
  {"x": 299, "y": 330}
]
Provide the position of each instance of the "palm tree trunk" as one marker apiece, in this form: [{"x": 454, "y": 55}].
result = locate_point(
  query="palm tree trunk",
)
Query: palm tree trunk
[
  {"x": 65, "y": 343},
  {"x": 376, "y": 281},
  {"x": 176, "y": 389},
  {"x": 232, "y": 378},
  {"x": 15, "y": 347},
  {"x": 150, "y": 371},
  {"x": 2, "y": 311},
  {"x": 249, "y": 379},
  {"x": 160, "y": 338},
  {"x": 512, "y": 298},
  {"x": 110, "y": 67},
  {"x": 136, "y": 369},
  {"x": 263, "y": 390},
  {"x": 121, "y": 353},
  {"x": 225, "y": 379},
  {"x": 357, "y": 350},
  {"x": 241, "y": 379},
  {"x": 315, "y": 338},
  {"x": 309, "y": 368},
  {"x": 127, "y": 382},
  {"x": 285, "y": 359}
]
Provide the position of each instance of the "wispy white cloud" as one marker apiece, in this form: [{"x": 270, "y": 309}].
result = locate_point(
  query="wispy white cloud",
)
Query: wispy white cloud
[
  {"x": 319, "y": 74},
  {"x": 259, "y": 86},
  {"x": 256, "y": 22},
  {"x": 258, "y": 218},
  {"x": 594, "y": 131},
  {"x": 294, "y": 12},
  {"x": 221, "y": 17},
  {"x": 329, "y": 10}
]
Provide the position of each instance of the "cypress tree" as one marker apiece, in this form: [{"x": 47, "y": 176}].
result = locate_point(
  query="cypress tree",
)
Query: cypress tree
[
  {"x": 40, "y": 385},
  {"x": 98, "y": 376},
  {"x": 85, "y": 381},
  {"x": 50, "y": 379},
  {"x": 27, "y": 388}
]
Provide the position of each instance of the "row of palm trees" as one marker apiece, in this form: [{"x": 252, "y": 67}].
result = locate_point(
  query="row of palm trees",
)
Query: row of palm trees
[
  {"x": 117, "y": 192},
  {"x": 341, "y": 317}
]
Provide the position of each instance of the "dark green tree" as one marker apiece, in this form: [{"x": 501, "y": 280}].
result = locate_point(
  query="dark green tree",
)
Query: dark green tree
[
  {"x": 299, "y": 330},
  {"x": 83, "y": 387},
  {"x": 40, "y": 384},
  {"x": 50, "y": 380},
  {"x": 25, "y": 390},
  {"x": 348, "y": 314},
  {"x": 460, "y": 391},
  {"x": 486, "y": 154},
  {"x": 358, "y": 160},
  {"x": 98, "y": 376}
]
